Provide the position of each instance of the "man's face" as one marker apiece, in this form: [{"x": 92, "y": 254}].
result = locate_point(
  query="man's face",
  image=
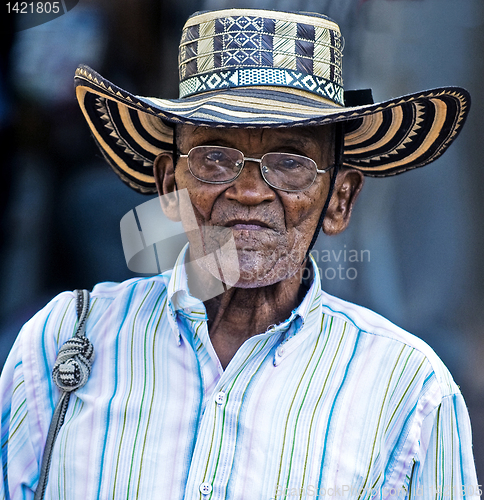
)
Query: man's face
[{"x": 272, "y": 229}]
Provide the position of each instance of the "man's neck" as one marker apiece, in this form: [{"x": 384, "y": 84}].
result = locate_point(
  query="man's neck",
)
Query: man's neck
[{"x": 240, "y": 313}]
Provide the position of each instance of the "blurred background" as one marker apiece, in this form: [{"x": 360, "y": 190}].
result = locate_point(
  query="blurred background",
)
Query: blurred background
[{"x": 415, "y": 238}]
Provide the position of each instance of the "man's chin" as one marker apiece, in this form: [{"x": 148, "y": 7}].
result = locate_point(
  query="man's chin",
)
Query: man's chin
[
  {"x": 246, "y": 268},
  {"x": 248, "y": 278},
  {"x": 263, "y": 276}
]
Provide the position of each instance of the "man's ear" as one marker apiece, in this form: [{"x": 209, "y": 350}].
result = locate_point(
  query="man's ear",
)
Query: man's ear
[
  {"x": 164, "y": 173},
  {"x": 347, "y": 188}
]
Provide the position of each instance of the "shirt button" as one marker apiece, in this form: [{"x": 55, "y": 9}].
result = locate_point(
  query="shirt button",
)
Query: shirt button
[
  {"x": 205, "y": 488},
  {"x": 220, "y": 398},
  {"x": 280, "y": 351}
]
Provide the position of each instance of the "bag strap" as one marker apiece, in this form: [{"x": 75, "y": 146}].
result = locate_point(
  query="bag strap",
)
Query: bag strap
[{"x": 71, "y": 371}]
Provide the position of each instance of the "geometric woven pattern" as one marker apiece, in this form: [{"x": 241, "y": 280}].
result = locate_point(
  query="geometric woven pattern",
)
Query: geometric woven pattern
[
  {"x": 280, "y": 49},
  {"x": 268, "y": 69},
  {"x": 273, "y": 77}
]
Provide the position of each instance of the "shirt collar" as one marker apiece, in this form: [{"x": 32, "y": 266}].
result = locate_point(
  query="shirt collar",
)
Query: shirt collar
[
  {"x": 178, "y": 295},
  {"x": 180, "y": 301}
]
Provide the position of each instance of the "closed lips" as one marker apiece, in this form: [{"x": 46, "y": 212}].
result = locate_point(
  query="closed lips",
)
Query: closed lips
[{"x": 247, "y": 224}]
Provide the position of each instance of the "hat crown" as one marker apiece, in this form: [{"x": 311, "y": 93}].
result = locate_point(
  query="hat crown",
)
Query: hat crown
[{"x": 251, "y": 47}]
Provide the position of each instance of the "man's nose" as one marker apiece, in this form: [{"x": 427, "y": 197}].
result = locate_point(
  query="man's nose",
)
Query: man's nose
[{"x": 250, "y": 188}]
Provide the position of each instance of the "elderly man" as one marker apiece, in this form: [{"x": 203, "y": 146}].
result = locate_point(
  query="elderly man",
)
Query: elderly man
[{"x": 270, "y": 388}]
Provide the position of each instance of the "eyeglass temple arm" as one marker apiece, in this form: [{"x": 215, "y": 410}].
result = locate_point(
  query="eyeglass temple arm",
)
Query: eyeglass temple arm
[{"x": 324, "y": 170}]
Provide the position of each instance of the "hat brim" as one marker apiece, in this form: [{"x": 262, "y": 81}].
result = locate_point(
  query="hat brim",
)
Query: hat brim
[{"x": 381, "y": 139}]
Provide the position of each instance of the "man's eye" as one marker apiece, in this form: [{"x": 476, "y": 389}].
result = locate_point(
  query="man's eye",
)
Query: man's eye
[
  {"x": 217, "y": 157},
  {"x": 288, "y": 164}
]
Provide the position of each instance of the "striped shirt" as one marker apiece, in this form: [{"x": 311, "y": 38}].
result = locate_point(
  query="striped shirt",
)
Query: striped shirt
[{"x": 335, "y": 401}]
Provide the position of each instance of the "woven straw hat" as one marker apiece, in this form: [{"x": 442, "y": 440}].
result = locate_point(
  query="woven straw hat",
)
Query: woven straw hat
[{"x": 263, "y": 68}]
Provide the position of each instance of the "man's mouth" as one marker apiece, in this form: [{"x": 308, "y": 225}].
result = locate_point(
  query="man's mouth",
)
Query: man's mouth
[{"x": 247, "y": 225}]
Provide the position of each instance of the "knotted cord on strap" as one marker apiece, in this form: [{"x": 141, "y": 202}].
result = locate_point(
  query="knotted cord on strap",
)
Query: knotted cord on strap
[
  {"x": 71, "y": 371},
  {"x": 73, "y": 364}
]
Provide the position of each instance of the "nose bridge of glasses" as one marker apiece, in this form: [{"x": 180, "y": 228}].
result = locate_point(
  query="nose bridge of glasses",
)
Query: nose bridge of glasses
[
  {"x": 247, "y": 159},
  {"x": 263, "y": 169},
  {"x": 255, "y": 160}
]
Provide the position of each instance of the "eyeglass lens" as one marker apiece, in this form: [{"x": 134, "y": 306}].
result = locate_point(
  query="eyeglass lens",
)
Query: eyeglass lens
[{"x": 217, "y": 164}]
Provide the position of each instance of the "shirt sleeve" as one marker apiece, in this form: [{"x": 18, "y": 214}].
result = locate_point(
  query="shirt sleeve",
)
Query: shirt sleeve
[
  {"x": 28, "y": 396},
  {"x": 19, "y": 462},
  {"x": 447, "y": 470}
]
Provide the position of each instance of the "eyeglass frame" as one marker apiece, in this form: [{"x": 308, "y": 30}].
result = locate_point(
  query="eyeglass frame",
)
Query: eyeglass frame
[{"x": 255, "y": 160}]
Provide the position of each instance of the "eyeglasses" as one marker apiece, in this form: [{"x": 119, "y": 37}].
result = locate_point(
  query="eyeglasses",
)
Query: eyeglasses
[{"x": 284, "y": 171}]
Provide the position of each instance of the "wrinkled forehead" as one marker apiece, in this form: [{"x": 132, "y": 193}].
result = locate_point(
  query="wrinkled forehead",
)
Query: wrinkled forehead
[{"x": 319, "y": 138}]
